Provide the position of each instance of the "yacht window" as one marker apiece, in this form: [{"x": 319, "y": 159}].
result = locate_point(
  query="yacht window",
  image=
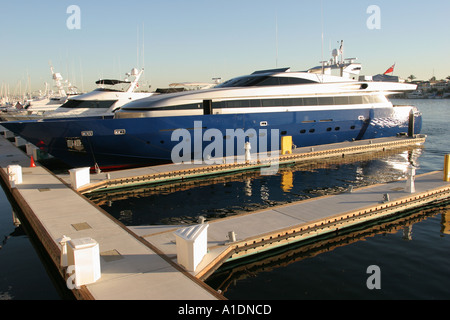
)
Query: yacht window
[
  {"x": 270, "y": 102},
  {"x": 373, "y": 99},
  {"x": 356, "y": 100},
  {"x": 341, "y": 100},
  {"x": 310, "y": 101},
  {"x": 246, "y": 81},
  {"x": 253, "y": 81},
  {"x": 326, "y": 101},
  {"x": 255, "y": 103},
  {"x": 88, "y": 104},
  {"x": 237, "y": 104},
  {"x": 252, "y": 103},
  {"x": 283, "y": 81}
]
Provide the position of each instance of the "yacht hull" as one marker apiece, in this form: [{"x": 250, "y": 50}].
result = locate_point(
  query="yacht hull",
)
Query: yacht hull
[{"x": 137, "y": 141}]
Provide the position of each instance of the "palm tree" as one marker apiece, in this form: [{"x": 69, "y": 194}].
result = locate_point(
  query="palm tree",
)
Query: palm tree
[{"x": 411, "y": 77}]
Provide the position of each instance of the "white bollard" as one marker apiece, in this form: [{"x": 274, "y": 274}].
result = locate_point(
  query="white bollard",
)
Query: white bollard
[
  {"x": 84, "y": 255},
  {"x": 248, "y": 147},
  {"x": 29, "y": 148},
  {"x": 79, "y": 177},
  {"x": 232, "y": 236},
  {"x": 15, "y": 174},
  {"x": 8, "y": 134},
  {"x": 63, "y": 243},
  {"x": 19, "y": 141},
  {"x": 192, "y": 245},
  {"x": 410, "y": 187}
]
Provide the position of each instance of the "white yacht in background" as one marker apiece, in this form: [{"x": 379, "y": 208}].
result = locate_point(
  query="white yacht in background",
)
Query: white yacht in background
[
  {"x": 43, "y": 102},
  {"x": 110, "y": 95},
  {"x": 417, "y": 94}
]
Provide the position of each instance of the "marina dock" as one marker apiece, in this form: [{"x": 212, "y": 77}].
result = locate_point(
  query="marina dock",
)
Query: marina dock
[
  {"x": 141, "y": 262},
  {"x": 130, "y": 268}
]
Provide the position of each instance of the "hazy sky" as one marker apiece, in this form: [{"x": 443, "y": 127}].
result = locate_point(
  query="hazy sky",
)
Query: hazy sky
[{"x": 196, "y": 40}]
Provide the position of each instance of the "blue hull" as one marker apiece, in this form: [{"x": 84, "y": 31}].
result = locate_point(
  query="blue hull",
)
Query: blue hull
[{"x": 137, "y": 141}]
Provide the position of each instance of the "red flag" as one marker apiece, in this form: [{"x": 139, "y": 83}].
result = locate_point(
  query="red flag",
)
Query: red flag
[{"x": 391, "y": 69}]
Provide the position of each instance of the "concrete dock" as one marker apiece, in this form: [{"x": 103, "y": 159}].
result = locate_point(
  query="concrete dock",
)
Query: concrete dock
[
  {"x": 266, "y": 229},
  {"x": 141, "y": 262},
  {"x": 130, "y": 267}
]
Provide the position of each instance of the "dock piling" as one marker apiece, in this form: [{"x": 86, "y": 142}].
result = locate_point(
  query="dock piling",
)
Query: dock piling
[{"x": 447, "y": 168}]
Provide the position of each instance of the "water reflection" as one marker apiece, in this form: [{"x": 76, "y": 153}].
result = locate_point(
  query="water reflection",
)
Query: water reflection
[
  {"x": 221, "y": 196},
  {"x": 445, "y": 222}
]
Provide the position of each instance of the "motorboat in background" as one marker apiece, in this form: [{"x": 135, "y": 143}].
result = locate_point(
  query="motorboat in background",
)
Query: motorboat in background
[
  {"x": 103, "y": 101},
  {"x": 44, "y": 102}
]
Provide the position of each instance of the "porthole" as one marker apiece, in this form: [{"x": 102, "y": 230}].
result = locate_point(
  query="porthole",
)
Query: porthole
[
  {"x": 337, "y": 128},
  {"x": 303, "y": 131},
  {"x": 352, "y": 127},
  {"x": 312, "y": 130},
  {"x": 329, "y": 129}
]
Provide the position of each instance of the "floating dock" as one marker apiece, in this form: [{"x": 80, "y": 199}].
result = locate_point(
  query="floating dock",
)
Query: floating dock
[
  {"x": 183, "y": 172},
  {"x": 143, "y": 262},
  {"x": 130, "y": 268}
]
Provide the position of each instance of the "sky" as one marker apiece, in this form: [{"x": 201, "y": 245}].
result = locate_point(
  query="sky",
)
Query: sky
[{"x": 197, "y": 40}]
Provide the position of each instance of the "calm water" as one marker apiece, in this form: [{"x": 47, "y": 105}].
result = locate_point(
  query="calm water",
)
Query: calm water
[{"x": 413, "y": 253}]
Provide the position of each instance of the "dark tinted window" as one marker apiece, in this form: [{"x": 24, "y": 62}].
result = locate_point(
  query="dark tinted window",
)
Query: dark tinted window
[
  {"x": 247, "y": 81},
  {"x": 356, "y": 99},
  {"x": 310, "y": 101},
  {"x": 326, "y": 101},
  {"x": 88, "y": 104},
  {"x": 283, "y": 81},
  {"x": 256, "y": 81}
]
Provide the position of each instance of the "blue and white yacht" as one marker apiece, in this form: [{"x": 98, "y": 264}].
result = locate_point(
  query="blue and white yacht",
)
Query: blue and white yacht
[{"x": 314, "y": 107}]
